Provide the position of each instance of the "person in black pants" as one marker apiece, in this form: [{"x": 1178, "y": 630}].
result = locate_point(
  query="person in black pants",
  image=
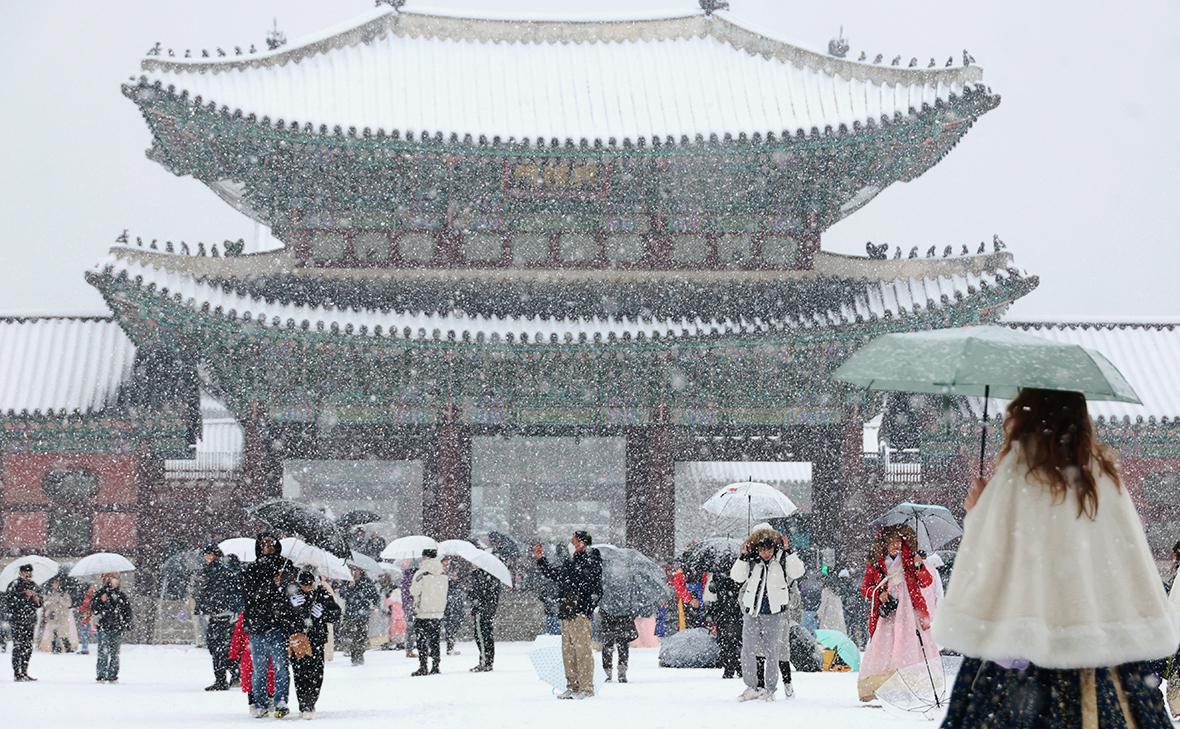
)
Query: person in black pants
[
  {"x": 484, "y": 594},
  {"x": 726, "y": 612},
  {"x": 218, "y": 596},
  {"x": 315, "y": 609},
  {"x": 360, "y": 599},
  {"x": 111, "y": 611},
  {"x": 23, "y": 597}
]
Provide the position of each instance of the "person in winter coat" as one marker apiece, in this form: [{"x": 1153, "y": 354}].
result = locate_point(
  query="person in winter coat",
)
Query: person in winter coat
[
  {"x": 59, "y": 634},
  {"x": 239, "y": 651},
  {"x": 84, "y": 615},
  {"x": 217, "y": 597},
  {"x": 267, "y": 585},
  {"x": 111, "y": 612},
  {"x": 765, "y": 570},
  {"x": 315, "y": 609},
  {"x": 484, "y": 595},
  {"x": 1055, "y": 593},
  {"x": 453, "y": 615},
  {"x": 22, "y": 599},
  {"x": 408, "y": 607},
  {"x": 429, "y": 589},
  {"x": 726, "y": 612},
  {"x": 361, "y": 598},
  {"x": 579, "y": 580},
  {"x": 899, "y": 618},
  {"x": 617, "y": 633}
]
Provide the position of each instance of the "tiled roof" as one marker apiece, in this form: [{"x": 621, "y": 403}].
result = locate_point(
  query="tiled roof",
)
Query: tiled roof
[
  {"x": 879, "y": 299},
  {"x": 62, "y": 365},
  {"x": 664, "y": 78},
  {"x": 771, "y": 472},
  {"x": 1147, "y": 353}
]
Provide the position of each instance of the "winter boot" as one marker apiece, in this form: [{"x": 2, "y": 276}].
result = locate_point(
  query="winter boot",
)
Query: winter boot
[
  {"x": 623, "y": 673},
  {"x": 788, "y": 691},
  {"x": 434, "y": 670},
  {"x": 281, "y": 711},
  {"x": 610, "y": 675}
]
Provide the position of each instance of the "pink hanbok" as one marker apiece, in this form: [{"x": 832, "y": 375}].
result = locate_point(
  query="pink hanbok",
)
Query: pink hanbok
[{"x": 894, "y": 644}]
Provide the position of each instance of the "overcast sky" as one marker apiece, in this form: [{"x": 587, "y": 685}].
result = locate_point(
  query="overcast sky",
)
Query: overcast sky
[{"x": 1076, "y": 169}]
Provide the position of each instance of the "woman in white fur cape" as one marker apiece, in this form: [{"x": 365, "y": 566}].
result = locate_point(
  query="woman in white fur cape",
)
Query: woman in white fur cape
[{"x": 1055, "y": 599}]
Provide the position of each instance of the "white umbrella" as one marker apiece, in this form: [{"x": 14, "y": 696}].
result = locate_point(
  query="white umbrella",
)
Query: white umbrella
[
  {"x": 44, "y": 569},
  {"x": 323, "y": 562},
  {"x": 750, "y": 499},
  {"x": 933, "y": 525},
  {"x": 410, "y": 547},
  {"x": 240, "y": 547},
  {"x": 101, "y": 563},
  {"x": 368, "y": 564},
  {"x": 481, "y": 558}
]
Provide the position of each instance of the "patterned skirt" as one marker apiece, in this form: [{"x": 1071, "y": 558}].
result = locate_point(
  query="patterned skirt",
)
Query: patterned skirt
[{"x": 987, "y": 696}]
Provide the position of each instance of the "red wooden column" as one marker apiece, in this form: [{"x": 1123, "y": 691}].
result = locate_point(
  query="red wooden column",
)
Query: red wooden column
[
  {"x": 650, "y": 488},
  {"x": 262, "y": 472},
  {"x": 837, "y": 471},
  {"x": 446, "y": 482}
]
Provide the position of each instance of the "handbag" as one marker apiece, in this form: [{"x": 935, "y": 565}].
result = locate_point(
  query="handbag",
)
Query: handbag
[
  {"x": 300, "y": 645},
  {"x": 888, "y": 606}
]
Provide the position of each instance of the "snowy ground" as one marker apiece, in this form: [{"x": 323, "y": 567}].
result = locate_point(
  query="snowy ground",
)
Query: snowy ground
[{"x": 161, "y": 686}]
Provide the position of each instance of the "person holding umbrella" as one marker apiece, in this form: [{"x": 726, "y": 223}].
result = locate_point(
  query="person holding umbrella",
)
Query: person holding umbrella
[
  {"x": 23, "y": 599},
  {"x": 899, "y": 619},
  {"x": 484, "y": 595},
  {"x": 111, "y": 613},
  {"x": 218, "y": 596},
  {"x": 1055, "y": 593},
  {"x": 266, "y": 586},
  {"x": 579, "y": 580},
  {"x": 429, "y": 589}
]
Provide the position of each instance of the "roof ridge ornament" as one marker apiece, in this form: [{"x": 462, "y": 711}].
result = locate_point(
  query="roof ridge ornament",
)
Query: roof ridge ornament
[
  {"x": 276, "y": 38},
  {"x": 838, "y": 46},
  {"x": 712, "y": 6},
  {"x": 395, "y": 4}
]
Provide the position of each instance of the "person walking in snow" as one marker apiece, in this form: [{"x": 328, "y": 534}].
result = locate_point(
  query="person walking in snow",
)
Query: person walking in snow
[
  {"x": 617, "y": 633},
  {"x": 111, "y": 613},
  {"x": 899, "y": 618},
  {"x": 579, "y": 581},
  {"x": 361, "y": 598},
  {"x": 59, "y": 634},
  {"x": 484, "y": 596},
  {"x": 453, "y": 615},
  {"x": 239, "y": 652},
  {"x": 218, "y": 596},
  {"x": 725, "y": 610},
  {"x": 765, "y": 570},
  {"x": 22, "y": 600},
  {"x": 267, "y": 585},
  {"x": 1055, "y": 593},
  {"x": 429, "y": 589},
  {"x": 315, "y": 609}
]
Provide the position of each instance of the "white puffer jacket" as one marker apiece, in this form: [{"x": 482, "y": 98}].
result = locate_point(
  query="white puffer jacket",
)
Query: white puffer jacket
[
  {"x": 429, "y": 590},
  {"x": 772, "y": 579}
]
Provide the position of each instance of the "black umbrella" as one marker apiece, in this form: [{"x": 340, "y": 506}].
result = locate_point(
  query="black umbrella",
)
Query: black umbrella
[
  {"x": 177, "y": 572},
  {"x": 310, "y": 525},
  {"x": 712, "y": 554},
  {"x": 632, "y": 584},
  {"x": 358, "y": 517}
]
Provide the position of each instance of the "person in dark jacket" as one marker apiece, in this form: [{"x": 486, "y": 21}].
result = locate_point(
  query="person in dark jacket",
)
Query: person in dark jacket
[
  {"x": 580, "y": 581},
  {"x": 484, "y": 595},
  {"x": 360, "y": 599},
  {"x": 22, "y": 600},
  {"x": 111, "y": 612},
  {"x": 617, "y": 633},
  {"x": 315, "y": 608},
  {"x": 453, "y": 615},
  {"x": 726, "y": 612},
  {"x": 218, "y": 595},
  {"x": 267, "y": 586}
]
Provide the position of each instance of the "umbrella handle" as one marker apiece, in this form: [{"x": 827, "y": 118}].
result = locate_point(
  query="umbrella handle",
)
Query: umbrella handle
[{"x": 983, "y": 434}]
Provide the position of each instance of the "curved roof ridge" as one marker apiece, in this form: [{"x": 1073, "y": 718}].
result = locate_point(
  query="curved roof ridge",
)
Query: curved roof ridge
[
  {"x": 1154, "y": 323},
  {"x": 539, "y": 29}
]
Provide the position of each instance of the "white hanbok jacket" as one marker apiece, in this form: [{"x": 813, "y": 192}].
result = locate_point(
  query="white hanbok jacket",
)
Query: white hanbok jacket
[{"x": 1035, "y": 581}]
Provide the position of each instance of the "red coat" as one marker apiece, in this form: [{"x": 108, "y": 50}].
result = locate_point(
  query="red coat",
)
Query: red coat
[
  {"x": 915, "y": 579},
  {"x": 239, "y": 650}
]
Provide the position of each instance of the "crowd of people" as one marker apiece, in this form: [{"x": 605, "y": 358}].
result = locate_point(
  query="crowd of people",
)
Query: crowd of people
[{"x": 1056, "y": 603}]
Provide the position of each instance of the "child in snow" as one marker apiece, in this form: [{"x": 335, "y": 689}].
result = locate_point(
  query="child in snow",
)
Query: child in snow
[
  {"x": 239, "y": 650},
  {"x": 1056, "y": 601}
]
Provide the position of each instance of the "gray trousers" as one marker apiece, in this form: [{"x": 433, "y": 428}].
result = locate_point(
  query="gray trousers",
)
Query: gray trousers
[{"x": 762, "y": 636}]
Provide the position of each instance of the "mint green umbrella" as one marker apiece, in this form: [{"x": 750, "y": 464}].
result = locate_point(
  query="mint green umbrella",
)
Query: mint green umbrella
[{"x": 982, "y": 361}]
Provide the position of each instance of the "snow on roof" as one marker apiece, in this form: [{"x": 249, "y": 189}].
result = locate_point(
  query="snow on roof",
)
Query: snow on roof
[
  {"x": 880, "y": 299},
  {"x": 219, "y": 447},
  {"x": 1147, "y": 354},
  {"x": 633, "y": 79},
  {"x": 62, "y": 364},
  {"x": 771, "y": 472}
]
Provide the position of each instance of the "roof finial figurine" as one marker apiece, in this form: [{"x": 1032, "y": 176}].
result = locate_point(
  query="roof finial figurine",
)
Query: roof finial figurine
[
  {"x": 880, "y": 57},
  {"x": 931, "y": 63},
  {"x": 171, "y": 53},
  {"x": 914, "y": 252},
  {"x": 968, "y": 59},
  {"x": 213, "y": 250},
  {"x": 184, "y": 248},
  {"x": 998, "y": 244},
  {"x": 139, "y": 241},
  {"x": 153, "y": 245},
  {"x": 878, "y": 252},
  {"x": 237, "y": 50},
  {"x": 122, "y": 237},
  {"x": 946, "y": 252},
  {"x": 221, "y": 52},
  {"x": 950, "y": 61},
  {"x": 169, "y": 247},
  {"x": 188, "y": 53},
  {"x": 276, "y": 38},
  {"x": 253, "y": 49},
  {"x": 896, "y": 61},
  {"x": 395, "y": 4},
  {"x": 200, "y": 249},
  {"x": 838, "y": 46},
  {"x": 712, "y": 6},
  {"x": 204, "y": 53},
  {"x": 897, "y": 253},
  {"x": 982, "y": 248},
  {"x": 862, "y": 57},
  {"x": 914, "y": 62},
  {"x": 966, "y": 250},
  {"x": 930, "y": 251},
  {"x": 155, "y": 50}
]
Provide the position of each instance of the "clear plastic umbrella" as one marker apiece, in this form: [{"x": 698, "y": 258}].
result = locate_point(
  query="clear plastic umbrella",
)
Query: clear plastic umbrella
[
  {"x": 44, "y": 569},
  {"x": 100, "y": 563},
  {"x": 934, "y": 525},
  {"x": 481, "y": 558},
  {"x": 750, "y": 500}
]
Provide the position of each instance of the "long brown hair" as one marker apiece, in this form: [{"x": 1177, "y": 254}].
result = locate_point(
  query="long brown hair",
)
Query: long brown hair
[
  {"x": 880, "y": 545},
  {"x": 1054, "y": 430}
]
